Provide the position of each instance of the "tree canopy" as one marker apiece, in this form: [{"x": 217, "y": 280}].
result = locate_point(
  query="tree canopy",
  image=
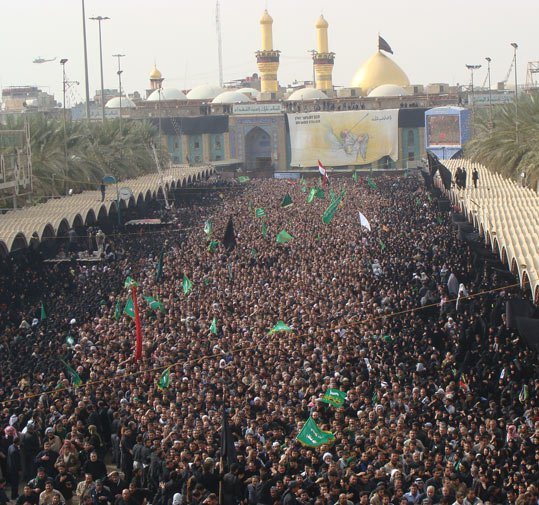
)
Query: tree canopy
[
  {"x": 93, "y": 150},
  {"x": 495, "y": 145}
]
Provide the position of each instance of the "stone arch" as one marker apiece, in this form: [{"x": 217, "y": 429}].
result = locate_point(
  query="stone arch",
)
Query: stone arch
[
  {"x": 514, "y": 267},
  {"x": 495, "y": 246},
  {"x": 63, "y": 227},
  {"x": 258, "y": 148},
  {"x": 148, "y": 196},
  {"x": 3, "y": 249},
  {"x": 77, "y": 221},
  {"x": 90, "y": 217},
  {"x": 536, "y": 297},
  {"x": 504, "y": 255},
  {"x": 140, "y": 199},
  {"x": 102, "y": 214},
  {"x": 525, "y": 281},
  {"x": 47, "y": 233},
  {"x": 19, "y": 242}
]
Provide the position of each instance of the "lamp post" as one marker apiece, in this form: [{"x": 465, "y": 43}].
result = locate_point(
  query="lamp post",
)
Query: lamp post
[
  {"x": 119, "y": 72},
  {"x": 86, "y": 84},
  {"x": 99, "y": 19},
  {"x": 515, "y": 47},
  {"x": 471, "y": 68},
  {"x": 489, "y": 92},
  {"x": 313, "y": 52},
  {"x": 63, "y": 62}
]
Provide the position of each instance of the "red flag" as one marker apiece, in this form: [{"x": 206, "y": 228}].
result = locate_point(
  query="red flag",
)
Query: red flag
[
  {"x": 323, "y": 173},
  {"x": 138, "y": 345}
]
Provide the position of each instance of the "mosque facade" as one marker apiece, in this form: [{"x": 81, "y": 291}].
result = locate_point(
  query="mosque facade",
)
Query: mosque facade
[{"x": 250, "y": 127}]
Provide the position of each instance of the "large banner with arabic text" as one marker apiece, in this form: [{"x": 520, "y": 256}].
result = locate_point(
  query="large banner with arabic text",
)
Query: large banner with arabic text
[{"x": 343, "y": 138}]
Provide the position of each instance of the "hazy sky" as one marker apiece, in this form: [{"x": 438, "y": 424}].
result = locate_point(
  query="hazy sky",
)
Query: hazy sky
[{"x": 432, "y": 40}]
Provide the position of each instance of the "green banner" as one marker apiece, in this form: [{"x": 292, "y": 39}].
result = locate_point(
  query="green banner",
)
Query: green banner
[
  {"x": 334, "y": 397},
  {"x": 312, "y": 436}
]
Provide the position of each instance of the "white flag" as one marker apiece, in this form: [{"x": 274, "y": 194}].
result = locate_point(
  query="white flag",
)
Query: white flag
[{"x": 363, "y": 221}]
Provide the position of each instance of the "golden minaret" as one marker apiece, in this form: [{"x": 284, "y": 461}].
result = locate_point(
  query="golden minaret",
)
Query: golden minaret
[
  {"x": 267, "y": 59},
  {"x": 322, "y": 58}
]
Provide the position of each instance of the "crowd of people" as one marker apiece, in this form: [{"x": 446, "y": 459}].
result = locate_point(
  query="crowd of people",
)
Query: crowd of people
[{"x": 440, "y": 402}]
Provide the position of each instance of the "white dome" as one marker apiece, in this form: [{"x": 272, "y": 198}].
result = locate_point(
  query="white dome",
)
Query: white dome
[
  {"x": 387, "y": 90},
  {"x": 307, "y": 94},
  {"x": 165, "y": 94},
  {"x": 251, "y": 92},
  {"x": 231, "y": 97},
  {"x": 114, "y": 103},
  {"x": 204, "y": 92}
]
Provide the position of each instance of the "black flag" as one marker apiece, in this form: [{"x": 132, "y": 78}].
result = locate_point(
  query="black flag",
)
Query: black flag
[
  {"x": 529, "y": 331},
  {"x": 384, "y": 46},
  {"x": 229, "y": 240},
  {"x": 445, "y": 175},
  {"x": 228, "y": 450},
  {"x": 517, "y": 308}
]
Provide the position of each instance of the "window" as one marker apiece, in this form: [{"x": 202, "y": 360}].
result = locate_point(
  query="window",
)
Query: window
[
  {"x": 217, "y": 144},
  {"x": 217, "y": 158},
  {"x": 411, "y": 156},
  {"x": 197, "y": 145},
  {"x": 176, "y": 145},
  {"x": 411, "y": 137}
]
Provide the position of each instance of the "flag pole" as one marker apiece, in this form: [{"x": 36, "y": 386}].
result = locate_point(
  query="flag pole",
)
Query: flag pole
[
  {"x": 222, "y": 460},
  {"x": 138, "y": 345}
]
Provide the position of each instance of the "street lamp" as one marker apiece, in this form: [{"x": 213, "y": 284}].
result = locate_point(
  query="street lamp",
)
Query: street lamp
[
  {"x": 471, "y": 68},
  {"x": 99, "y": 19},
  {"x": 489, "y": 91},
  {"x": 86, "y": 84},
  {"x": 119, "y": 72},
  {"x": 515, "y": 47},
  {"x": 63, "y": 62}
]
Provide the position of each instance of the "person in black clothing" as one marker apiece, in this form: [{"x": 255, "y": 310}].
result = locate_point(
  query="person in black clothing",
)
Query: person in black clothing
[
  {"x": 125, "y": 498},
  {"x": 289, "y": 496},
  {"x": 101, "y": 494},
  {"x": 30, "y": 447},
  {"x": 46, "y": 459},
  {"x": 475, "y": 177},
  {"x": 65, "y": 483},
  {"x": 233, "y": 488},
  {"x": 14, "y": 467},
  {"x": 3, "y": 496},
  {"x": 37, "y": 484},
  {"x": 94, "y": 466},
  {"x": 126, "y": 448},
  {"x": 103, "y": 189},
  {"x": 27, "y": 497},
  {"x": 115, "y": 484}
]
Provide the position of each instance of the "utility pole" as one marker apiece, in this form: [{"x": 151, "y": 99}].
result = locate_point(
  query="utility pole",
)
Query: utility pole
[
  {"x": 515, "y": 47},
  {"x": 63, "y": 62},
  {"x": 119, "y": 72},
  {"x": 86, "y": 83},
  {"x": 99, "y": 19},
  {"x": 219, "y": 42},
  {"x": 471, "y": 68},
  {"x": 489, "y": 92}
]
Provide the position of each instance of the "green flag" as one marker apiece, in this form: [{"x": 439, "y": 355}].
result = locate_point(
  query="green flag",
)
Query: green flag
[
  {"x": 43, "y": 314},
  {"x": 286, "y": 201},
  {"x": 382, "y": 245},
  {"x": 418, "y": 202},
  {"x": 129, "y": 308},
  {"x": 260, "y": 212},
  {"x": 320, "y": 194},
  {"x": 242, "y": 179},
  {"x": 118, "y": 311},
  {"x": 312, "y": 194},
  {"x": 213, "y": 326},
  {"x": 334, "y": 397},
  {"x": 212, "y": 246},
  {"x": 371, "y": 183},
  {"x": 206, "y": 281},
  {"x": 303, "y": 188},
  {"x": 330, "y": 211},
  {"x": 283, "y": 237},
  {"x": 354, "y": 176},
  {"x": 187, "y": 285},
  {"x": 280, "y": 326},
  {"x": 264, "y": 230},
  {"x": 208, "y": 227},
  {"x": 130, "y": 282},
  {"x": 332, "y": 195},
  {"x": 70, "y": 341},
  {"x": 164, "y": 380},
  {"x": 75, "y": 377},
  {"x": 312, "y": 436},
  {"x": 159, "y": 269},
  {"x": 253, "y": 252},
  {"x": 154, "y": 303},
  {"x": 440, "y": 220}
]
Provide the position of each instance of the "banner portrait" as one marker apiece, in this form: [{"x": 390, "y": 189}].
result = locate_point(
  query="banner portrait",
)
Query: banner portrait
[{"x": 343, "y": 138}]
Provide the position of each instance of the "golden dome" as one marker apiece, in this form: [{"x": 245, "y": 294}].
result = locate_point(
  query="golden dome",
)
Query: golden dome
[
  {"x": 321, "y": 22},
  {"x": 266, "y": 19},
  {"x": 377, "y": 70},
  {"x": 155, "y": 74}
]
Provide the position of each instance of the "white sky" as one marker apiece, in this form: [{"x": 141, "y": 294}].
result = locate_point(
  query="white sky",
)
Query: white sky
[{"x": 432, "y": 40}]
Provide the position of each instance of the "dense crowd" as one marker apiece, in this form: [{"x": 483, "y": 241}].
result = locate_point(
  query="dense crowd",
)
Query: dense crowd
[{"x": 440, "y": 403}]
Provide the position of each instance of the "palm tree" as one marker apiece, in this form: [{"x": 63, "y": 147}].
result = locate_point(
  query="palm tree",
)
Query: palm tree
[
  {"x": 93, "y": 150},
  {"x": 496, "y": 147}
]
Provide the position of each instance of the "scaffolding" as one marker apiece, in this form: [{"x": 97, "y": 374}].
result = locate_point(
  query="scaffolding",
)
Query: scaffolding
[{"x": 532, "y": 81}]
